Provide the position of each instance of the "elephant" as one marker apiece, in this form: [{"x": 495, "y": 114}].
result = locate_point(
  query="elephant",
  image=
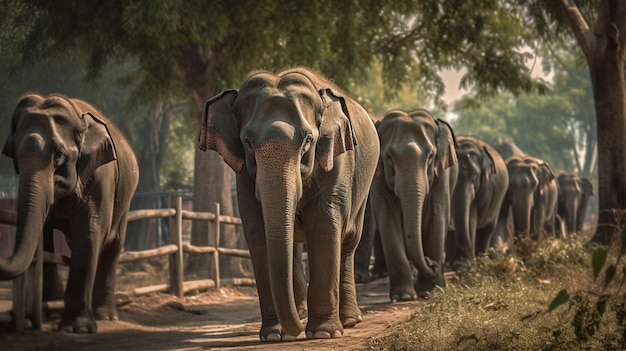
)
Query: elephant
[
  {"x": 363, "y": 253},
  {"x": 574, "y": 194},
  {"x": 480, "y": 188},
  {"x": 410, "y": 198},
  {"x": 304, "y": 154},
  {"x": 531, "y": 198},
  {"x": 507, "y": 148},
  {"x": 77, "y": 174}
]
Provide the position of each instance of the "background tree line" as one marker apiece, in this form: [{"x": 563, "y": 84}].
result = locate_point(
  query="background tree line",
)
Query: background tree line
[{"x": 151, "y": 65}]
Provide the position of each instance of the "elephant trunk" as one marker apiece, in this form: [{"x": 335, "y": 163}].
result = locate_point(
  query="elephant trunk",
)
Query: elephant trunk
[
  {"x": 581, "y": 214},
  {"x": 412, "y": 201},
  {"x": 278, "y": 194},
  {"x": 571, "y": 208},
  {"x": 522, "y": 215},
  {"x": 461, "y": 209},
  {"x": 35, "y": 196}
]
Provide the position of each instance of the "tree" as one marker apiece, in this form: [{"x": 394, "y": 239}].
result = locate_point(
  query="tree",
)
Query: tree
[
  {"x": 194, "y": 49},
  {"x": 603, "y": 49},
  {"x": 557, "y": 126}
]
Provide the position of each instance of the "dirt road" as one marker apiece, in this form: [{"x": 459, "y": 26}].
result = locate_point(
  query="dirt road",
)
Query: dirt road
[{"x": 224, "y": 319}]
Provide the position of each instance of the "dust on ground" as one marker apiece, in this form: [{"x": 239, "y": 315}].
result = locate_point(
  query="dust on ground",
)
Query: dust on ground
[{"x": 219, "y": 319}]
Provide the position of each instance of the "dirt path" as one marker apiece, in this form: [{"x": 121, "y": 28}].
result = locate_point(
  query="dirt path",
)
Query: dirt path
[{"x": 225, "y": 319}]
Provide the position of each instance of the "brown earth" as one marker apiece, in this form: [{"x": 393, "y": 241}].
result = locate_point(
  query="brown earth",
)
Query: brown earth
[{"x": 219, "y": 319}]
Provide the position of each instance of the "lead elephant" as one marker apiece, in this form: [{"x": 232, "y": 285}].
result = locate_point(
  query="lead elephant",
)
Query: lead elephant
[
  {"x": 292, "y": 139},
  {"x": 480, "y": 188},
  {"x": 410, "y": 198},
  {"x": 574, "y": 194},
  {"x": 77, "y": 174}
]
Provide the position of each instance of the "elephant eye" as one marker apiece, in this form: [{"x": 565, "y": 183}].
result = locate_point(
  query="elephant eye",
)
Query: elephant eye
[
  {"x": 307, "y": 143},
  {"x": 59, "y": 158}
]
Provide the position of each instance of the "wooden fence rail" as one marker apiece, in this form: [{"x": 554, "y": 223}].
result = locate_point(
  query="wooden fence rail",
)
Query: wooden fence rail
[{"x": 27, "y": 289}]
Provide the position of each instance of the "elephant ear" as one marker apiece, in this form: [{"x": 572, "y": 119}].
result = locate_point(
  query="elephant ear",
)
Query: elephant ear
[
  {"x": 587, "y": 186},
  {"x": 379, "y": 166},
  {"x": 336, "y": 134},
  {"x": 220, "y": 132},
  {"x": 97, "y": 147},
  {"x": 446, "y": 148},
  {"x": 488, "y": 165},
  {"x": 547, "y": 176},
  {"x": 8, "y": 148}
]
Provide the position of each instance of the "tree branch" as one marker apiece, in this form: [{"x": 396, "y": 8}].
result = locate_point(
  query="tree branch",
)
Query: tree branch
[{"x": 585, "y": 37}]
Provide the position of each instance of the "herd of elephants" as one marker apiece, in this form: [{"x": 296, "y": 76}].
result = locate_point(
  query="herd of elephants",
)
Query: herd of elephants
[{"x": 312, "y": 166}]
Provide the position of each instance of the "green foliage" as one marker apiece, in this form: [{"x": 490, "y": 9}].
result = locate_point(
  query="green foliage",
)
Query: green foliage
[
  {"x": 554, "y": 126},
  {"x": 496, "y": 306},
  {"x": 371, "y": 93},
  {"x": 589, "y": 307},
  {"x": 220, "y": 41}
]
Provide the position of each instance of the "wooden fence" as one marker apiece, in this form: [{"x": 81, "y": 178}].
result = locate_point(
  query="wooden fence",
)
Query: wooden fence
[{"x": 27, "y": 289}]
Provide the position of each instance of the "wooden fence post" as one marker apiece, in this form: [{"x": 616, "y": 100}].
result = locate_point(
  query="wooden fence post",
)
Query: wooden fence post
[
  {"x": 19, "y": 303},
  {"x": 176, "y": 237},
  {"x": 215, "y": 208}
]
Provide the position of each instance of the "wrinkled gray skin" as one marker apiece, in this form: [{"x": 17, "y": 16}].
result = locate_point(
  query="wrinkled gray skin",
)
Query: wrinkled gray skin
[
  {"x": 480, "y": 188},
  {"x": 410, "y": 199},
  {"x": 545, "y": 210},
  {"x": 305, "y": 155},
  {"x": 530, "y": 199},
  {"x": 574, "y": 194},
  {"x": 369, "y": 245},
  {"x": 77, "y": 174},
  {"x": 363, "y": 253}
]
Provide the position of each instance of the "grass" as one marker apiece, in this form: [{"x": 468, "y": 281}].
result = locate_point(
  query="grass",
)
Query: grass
[{"x": 502, "y": 304}]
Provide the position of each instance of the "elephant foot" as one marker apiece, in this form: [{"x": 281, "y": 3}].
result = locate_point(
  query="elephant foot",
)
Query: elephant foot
[
  {"x": 350, "y": 314},
  {"x": 277, "y": 337},
  {"x": 324, "y": 335},
  {"x": 402, "y": 294},
  {"x": 425, "y": 287},
  {"x": 106, "y": 313},
  {"x": 350, "y": 322},
  {"x": 323, "y": 329},
  {"x": 274, "y": 333},
  {"x": 79, "y": 325}
]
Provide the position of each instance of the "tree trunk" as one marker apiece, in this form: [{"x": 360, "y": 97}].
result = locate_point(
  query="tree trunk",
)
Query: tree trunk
[
  {"x": 609, "y": 90},
  {"x": 150, "y": 159},
  {"x": 604, "y": 50}
]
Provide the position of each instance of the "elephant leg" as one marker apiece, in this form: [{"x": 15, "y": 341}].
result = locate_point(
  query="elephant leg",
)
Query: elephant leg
[
  {"x": 103, "y": 304},
  {"x": 389, "y": 224},
  {"x": 483, "y": 238},
  {"x": 349, "y": 310},
  {"x": 380, "y": 265},
  {"x": 451, "y": 247},
  {"x": 78, "y": 315},
  {"x": 363, "y": 252},
  {"x": 52, "y": 285},
  {"x": 324, "y": 248},
  {"x": 299, "y": 281}
]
